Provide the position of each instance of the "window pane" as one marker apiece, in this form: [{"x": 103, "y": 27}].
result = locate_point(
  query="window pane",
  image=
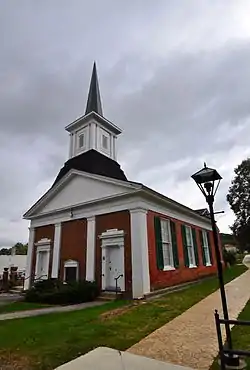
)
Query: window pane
[
  {"x": 191, "y": 255},
  {"x": 104, "y": 141},
  {"x": 190, "y": 245},
  {"x": 189, "y": 236},
  {"x": 81, "y": 140},
  {"x": 165, "y": 233},
  {"x": 204, "y": 237},
  {"x": 207, "y": 255},
  {"x": 167, "y": 254}
]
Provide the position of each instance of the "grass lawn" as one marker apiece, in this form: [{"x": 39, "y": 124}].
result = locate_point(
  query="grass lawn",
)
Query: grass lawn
[
  {"x": 45, "y": 342},
  {"x": 240, "y": 336},
  {"x": 20, "y": 306}
]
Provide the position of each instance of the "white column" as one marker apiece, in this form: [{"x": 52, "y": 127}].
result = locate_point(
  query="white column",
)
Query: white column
[
  {"x": 70, "y": 145},
  {"x": 29, "y": 258},
  {"x": 56, "y": 251},
  {"x": 139, "y": 252},
  {"x": 90, "y": 254},
  {"x": 114, "y": 148}
]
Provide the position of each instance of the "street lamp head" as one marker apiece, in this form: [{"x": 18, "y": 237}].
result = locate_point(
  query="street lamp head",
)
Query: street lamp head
[{"x": 208, "y": 180}]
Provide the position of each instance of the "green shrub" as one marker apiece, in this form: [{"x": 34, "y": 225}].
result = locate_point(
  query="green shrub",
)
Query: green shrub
[
  {"x": 47, "y": 285},
  {"x": 54, "y": 291},
  {"x": 229, "y": 257}
]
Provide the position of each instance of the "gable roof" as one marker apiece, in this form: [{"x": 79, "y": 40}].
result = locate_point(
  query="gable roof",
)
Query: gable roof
[
  {"x": 121, "y": 187},
  {"x": 95, "y": 163},
  {"x": 136, "y": 187}
]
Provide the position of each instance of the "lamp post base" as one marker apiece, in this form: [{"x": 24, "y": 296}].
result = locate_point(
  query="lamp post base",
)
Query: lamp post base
[{"x": 234, "y": 362}]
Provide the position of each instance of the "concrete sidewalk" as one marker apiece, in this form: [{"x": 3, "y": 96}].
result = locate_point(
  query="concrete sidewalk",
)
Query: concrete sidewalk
[
  {"x": 45, "y": 311},
  {"x": 104, "y": 358},
  {"x": 190, "y": 339}
]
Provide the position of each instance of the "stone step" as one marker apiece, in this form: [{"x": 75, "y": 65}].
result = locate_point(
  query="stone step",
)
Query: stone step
[{"x": 110, "y": 296}]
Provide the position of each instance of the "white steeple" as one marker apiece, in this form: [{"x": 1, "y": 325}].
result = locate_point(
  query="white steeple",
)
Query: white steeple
[{"x": 93, "y": 131}]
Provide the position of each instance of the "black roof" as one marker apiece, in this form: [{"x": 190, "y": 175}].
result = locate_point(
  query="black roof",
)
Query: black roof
[
  {"x": 203, "y": 212},
  {"x": 95, "y": 163}
]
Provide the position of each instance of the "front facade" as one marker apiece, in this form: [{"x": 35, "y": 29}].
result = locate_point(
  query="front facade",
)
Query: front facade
[{"x": 94, "y": 224}]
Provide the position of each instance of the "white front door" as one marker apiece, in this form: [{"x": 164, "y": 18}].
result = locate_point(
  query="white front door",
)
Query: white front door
[{"x": 113, "y": 267}]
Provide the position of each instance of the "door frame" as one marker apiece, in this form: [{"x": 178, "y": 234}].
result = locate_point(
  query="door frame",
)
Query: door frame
[
  {"x": 112, "y": 238},
  {"x": 42, "y": 246}
]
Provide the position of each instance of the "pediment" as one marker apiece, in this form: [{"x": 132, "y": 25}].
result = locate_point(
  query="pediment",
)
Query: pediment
[{"x": 79, "y": 188}]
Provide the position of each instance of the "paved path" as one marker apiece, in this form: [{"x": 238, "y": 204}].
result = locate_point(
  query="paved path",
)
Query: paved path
[
  {"x": 190, "y": 339},
  {"x": 45, "y": 311}
]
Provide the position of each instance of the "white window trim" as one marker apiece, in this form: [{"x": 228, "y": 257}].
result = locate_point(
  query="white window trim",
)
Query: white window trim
[
  {"x": 206, "y": 245},
  {"x": 191, "y": 265},
  {"x": 168, "y": 267},
  {"x": 107, "y": 135},
  {"x": 103, "y": 146},
  {"x": 43, "y": 245},
  {"x": 71, "y": 263},
  {"x": 79, "y": 136}
]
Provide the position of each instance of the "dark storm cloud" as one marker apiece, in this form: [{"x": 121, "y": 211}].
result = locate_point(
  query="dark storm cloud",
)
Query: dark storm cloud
[{"x": 175, "y": 78}]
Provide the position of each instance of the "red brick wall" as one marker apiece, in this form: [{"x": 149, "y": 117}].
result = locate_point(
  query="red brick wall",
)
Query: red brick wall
[
  {"x": 120, "y": 221},
  {"x": 73, "y": 245},
  {"x": 159, "y": 278},
  {"x": 40, "y": 233}
]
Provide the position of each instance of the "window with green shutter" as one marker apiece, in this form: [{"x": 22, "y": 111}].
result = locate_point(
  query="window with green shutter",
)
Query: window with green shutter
[
  {"x": 209, "y": 247},
  {"x": 166, "y": 244},
  {"x": 189, "y": 246},
  {"x": 158, "y": 243},
  {"x": 174, "y": 244},
  {"x": 205, "y": 244}
]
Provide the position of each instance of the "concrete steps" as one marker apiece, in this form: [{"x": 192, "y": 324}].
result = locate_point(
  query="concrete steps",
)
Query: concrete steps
[{"x": 110, "y": 296}]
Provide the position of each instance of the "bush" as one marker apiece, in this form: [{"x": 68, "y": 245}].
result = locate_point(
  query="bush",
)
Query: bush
[
  {"x": 53, "y": 291},
  {"x": 229, "y": 257}
]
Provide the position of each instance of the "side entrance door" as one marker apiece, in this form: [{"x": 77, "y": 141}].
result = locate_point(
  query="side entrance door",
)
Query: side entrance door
[{"x": 113, "y": 268}]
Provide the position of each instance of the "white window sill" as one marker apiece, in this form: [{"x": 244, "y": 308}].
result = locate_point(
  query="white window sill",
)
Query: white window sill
[
  {"x": 168, "y": 268},
  {"x": 192, "y": 266}
]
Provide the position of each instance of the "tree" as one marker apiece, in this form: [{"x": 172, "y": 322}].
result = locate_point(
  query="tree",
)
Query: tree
[
  {"x": 20, "y": 248},
  {"x": 5, "y": 251},
  {"x": 239, "y": 199}
]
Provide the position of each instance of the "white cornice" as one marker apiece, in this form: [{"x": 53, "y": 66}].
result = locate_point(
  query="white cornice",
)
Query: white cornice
[{"x": 86, "y": 118}]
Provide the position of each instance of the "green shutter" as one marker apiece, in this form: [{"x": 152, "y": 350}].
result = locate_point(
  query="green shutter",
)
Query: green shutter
[
  {"x": 174, "y": 244},
  {"x": 196, "y": 254},
  {"x": 184, "y": 243},
  {"x": 209, "y": 247},
  {"x": 158, "y": 243},
  {"x": 202, "y": 248}
]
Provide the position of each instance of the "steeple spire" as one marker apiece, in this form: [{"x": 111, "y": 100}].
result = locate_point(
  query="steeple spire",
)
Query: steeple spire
[{"x": 94, "y": 103}]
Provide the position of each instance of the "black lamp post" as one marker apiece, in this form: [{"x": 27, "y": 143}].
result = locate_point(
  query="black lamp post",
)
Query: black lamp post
[{"x": 208, "y": 181}]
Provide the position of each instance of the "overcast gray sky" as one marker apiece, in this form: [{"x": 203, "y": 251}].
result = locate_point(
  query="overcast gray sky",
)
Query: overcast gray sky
[{"x": 174, "y": 75}]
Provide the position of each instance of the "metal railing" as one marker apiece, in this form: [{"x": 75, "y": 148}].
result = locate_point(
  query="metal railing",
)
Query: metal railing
[
  {"x": 225, "y": 352},
  {"x": 116, "y": 283},
  {"x": 34, "y": 280}
]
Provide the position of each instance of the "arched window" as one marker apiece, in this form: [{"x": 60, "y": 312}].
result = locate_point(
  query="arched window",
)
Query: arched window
[{"x": 71, "y": 270}]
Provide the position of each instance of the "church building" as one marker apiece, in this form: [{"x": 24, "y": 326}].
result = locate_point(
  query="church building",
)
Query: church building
[{"x": 95, "y": 224}]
